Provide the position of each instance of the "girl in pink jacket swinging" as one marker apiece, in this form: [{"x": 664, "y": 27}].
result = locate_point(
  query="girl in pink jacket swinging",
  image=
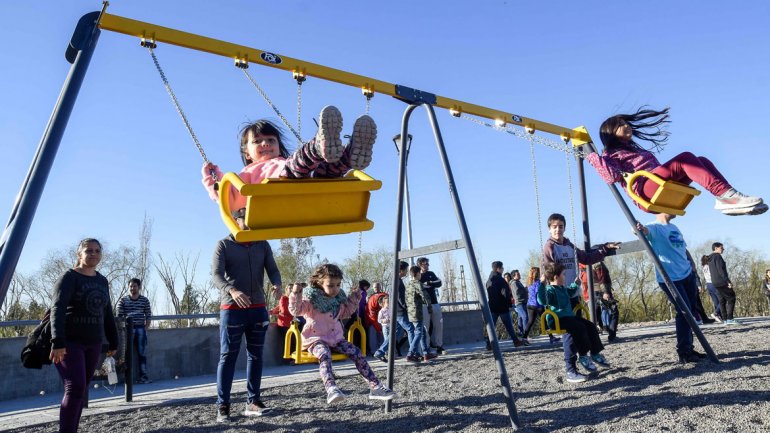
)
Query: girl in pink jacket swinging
[{"x": 323, "y": 304}]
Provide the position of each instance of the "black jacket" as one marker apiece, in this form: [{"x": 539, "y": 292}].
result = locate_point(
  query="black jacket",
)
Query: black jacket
[
  {"x": 718, "y": 270},
  {"x": 498, "y": 293},
  {"x": 430, "y": 282}
]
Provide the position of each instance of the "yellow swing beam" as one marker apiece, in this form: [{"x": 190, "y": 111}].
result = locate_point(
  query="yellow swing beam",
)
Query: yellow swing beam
[{"x": 302, "y": 357}]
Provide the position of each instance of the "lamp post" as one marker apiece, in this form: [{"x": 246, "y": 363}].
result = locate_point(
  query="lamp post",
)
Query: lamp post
[{"x": 397, "y": 143}]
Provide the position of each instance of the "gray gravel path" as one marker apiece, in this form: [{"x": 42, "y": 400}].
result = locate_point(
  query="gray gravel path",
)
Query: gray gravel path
[{"x": 645, "y": 390}]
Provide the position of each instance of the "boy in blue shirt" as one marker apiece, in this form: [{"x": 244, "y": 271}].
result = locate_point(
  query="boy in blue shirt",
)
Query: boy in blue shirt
[
  {"x": 584, "y": 334},
  {"x": 669, "y": 245}
]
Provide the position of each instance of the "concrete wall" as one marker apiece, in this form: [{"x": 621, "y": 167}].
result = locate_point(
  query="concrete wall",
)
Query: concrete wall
[{"x": 187, "y": 352}]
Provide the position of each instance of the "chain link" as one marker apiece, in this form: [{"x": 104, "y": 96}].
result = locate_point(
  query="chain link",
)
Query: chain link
[
  {"x": 360, "y": 252},
  {"x": 269, "y": 102},
  {"x": 179, "y": 108}
]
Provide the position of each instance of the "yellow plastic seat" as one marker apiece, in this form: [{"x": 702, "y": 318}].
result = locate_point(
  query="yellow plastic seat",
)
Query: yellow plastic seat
[
  {"x": 296, "y": 208},
  {"x": 556, "y": 328},
  {"x": 671, "y": 197},
  {"x": 303, "y": 357}
]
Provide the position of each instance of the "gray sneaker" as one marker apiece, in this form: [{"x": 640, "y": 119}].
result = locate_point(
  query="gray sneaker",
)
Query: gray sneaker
[
  {"x": 733, "y": 200},
  {"x": 359, "y": 151},
  {"x": 751, "y": 210},
  {"x": 575, "y": 377},
  {"x": 223, "y": 413},
  {"x": 328, "y": 144},
  {"x": 333, "y": 395},
  {"x": 256, "y": 408},
  {"x": 381, "y": 392}
]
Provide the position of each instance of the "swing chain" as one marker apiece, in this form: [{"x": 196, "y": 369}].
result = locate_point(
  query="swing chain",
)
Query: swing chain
[
  {"x": 269, "y": 102},
  {"x": 572, "y": 208},
  {"x": 300, "y": 77},
  {"x": 369, "y": 94},
  {"x": 178, "y": 107},
  {"x": 537, "y": 192},
  {"x": 525, "y": 134}
]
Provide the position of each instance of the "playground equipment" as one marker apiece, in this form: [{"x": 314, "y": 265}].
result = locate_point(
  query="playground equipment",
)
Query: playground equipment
[
  {"x": 670, "y": 197},
  {"x": 80, "y": 51},
  {"x": 553, "y": 326},
  {"x": 303, "y": 357}
]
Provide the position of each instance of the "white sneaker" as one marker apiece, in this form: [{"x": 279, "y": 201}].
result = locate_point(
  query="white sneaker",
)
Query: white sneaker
[
  {"x": 327, "y": 140},
  {"x": 733, "y": 199},
  {"x": 361, "y": 142},
  {"x": 716, "y": 318},
  {"x": 334, "y": 395}
]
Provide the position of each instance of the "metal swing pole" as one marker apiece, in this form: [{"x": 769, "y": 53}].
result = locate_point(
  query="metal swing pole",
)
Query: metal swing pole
[
  {"x": 586, "y": 235},
  {"x": 503, "y": 374},
  {"x": 670, "y": 289},
  {"x": 394, "y": 292},
  {"x": 79, "y": 53}
]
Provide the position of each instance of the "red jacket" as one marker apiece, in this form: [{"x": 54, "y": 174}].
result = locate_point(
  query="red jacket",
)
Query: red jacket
[
  {"x": 282, "y": 311},
  {"x": 372, "y": 309}
]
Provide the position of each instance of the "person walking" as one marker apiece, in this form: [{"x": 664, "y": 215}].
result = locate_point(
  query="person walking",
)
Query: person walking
[{"x": 721, "y": 281}]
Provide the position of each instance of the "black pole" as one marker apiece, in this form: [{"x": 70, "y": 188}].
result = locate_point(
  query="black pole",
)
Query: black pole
[
  {"x": 492, "y": 334},
  {"x": 129, "y": 361},
  {"x": 586, "y": 235},
  {"x": 402, "y": 155},
  {"x": 79, "y": 54},
  {"x": 670, "y": 289}
]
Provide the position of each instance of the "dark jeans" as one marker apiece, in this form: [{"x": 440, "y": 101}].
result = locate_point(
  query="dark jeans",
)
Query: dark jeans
[
  {"x": 521, "y": 318},
  {"x": 714, "y": 298},
  {"x": 233, "y": 324},
  {"x": 76, "y": 370},
  {"x": 533, "y": 313},
  {"x": 140, "y": 345},
  {"x": 726, "y": 302},
  {"x": 688, "y": 291},
  {"x": 507, "y": 322},
  {"x": 584, "y": 335}
]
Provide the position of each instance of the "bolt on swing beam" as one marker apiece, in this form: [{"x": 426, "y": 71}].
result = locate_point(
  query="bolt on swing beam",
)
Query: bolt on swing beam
[{"x": 140, "y": 29}]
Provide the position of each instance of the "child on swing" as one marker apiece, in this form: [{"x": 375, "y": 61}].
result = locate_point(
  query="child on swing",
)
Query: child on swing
[
  {"x": 583, "y": 332},
  {"x": 622, "y": 154},
  {"x": 264, "y": 153},
  {"x": 324, "y": 304}
]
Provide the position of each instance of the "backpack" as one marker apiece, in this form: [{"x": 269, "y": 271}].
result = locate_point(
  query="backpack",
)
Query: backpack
[{"x": 37, "y": 351}]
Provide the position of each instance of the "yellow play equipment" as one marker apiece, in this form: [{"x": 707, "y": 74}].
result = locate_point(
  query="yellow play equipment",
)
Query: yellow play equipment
[
  {"x": 302, "y": 357},
  {"x": 323, "y": 206},
  {"x": 556, "y": 328},
  {"x": 671, "y": 197}
]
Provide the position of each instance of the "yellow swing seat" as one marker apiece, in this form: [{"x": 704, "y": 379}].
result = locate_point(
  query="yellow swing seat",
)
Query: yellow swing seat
[
  {"x": 671, "y": 197},
  {"x": 556, "y": 329},
  {"x": 302, "y": 357},
  {"x": 296, "y": 208}
]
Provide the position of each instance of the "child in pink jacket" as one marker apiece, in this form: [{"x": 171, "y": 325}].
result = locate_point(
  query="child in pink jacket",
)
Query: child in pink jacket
[
  {"x": 265, "y": 155},
  {"x": 323, "y": 304}
]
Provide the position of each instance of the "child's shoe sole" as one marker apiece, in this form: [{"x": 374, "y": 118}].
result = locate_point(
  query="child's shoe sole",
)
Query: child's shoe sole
[
  {"x": 751, "y": 210},
  {"x": 362, "y": 142},
  {"x": 327, "y": 140}
]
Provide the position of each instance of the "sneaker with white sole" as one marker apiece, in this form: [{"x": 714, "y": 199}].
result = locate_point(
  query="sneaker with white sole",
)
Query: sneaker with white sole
[
  {"x": 751, "y": 210},
  {"x": 334, "y": 394},
  {"x": 381, "y": 392},
  {"x": 328, "y": 144},
  {"x": 587, "y": 363},
  {"x": 255, "y": 408},
  {"x": 733, "y": 199},
  {"x": 575, "y": 377},
  {"x": 716, "y": 318},
  {"x": 359, "y": 151},
  {"x": 223, "y": 413}
]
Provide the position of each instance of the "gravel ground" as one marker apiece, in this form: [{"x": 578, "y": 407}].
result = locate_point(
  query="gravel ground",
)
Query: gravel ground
[{"x": 645, "y": 390}]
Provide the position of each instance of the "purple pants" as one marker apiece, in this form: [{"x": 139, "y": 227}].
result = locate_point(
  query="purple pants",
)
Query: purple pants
[
  {"x": 76, "y": 370},
  {"x": 324, "y": 354},
  {"x": 687, "y": 168}
]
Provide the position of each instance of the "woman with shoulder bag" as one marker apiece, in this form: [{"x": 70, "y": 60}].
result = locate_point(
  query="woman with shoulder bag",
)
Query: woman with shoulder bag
[{"x": 81, "y": 316}]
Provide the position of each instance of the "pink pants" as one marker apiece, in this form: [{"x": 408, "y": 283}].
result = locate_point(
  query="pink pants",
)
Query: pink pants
[{"x": 687, "y": 168}]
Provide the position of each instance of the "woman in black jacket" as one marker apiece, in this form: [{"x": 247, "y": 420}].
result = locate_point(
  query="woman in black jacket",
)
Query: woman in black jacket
[{"x": 81, "y": 316}]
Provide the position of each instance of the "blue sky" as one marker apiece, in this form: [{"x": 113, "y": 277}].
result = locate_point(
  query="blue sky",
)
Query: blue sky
[{"x": 125, "y": 152}]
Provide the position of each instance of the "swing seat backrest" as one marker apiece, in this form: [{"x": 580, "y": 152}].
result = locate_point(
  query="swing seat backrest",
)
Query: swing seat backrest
[
  {"x": 671, "y": 197},
  {"x": 295, "y": 208},
  {"x": 549, "y": 322},
  {"x": 302, "y": 357}
]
